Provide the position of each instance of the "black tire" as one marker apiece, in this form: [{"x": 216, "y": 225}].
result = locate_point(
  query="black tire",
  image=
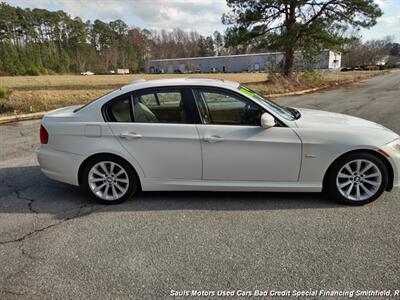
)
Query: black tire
[
  {"x": 132, "y": 187},
  {"x": 330, "y": 184}
]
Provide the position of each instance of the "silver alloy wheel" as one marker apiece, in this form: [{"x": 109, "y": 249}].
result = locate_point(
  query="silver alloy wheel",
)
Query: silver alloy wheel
[
  {"x": 359, "y": 180},
  {"x": 108, "y": 180}
]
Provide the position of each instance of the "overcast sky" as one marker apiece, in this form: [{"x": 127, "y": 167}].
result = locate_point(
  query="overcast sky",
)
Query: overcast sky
[{"x": 203, "y": 16}]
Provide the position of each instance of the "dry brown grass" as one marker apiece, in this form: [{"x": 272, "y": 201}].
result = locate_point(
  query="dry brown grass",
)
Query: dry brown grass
[
  {"x": 276, "y": 84},
  {"x": 42, "y": 93},
  {"x": 96, "y": 81},
  {"x": 348, "y": 77},
  {"x": 44, "y": 100}
]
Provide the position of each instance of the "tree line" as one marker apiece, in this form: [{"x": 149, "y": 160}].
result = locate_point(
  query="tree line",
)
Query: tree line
[
  {"x": 370, "y": 52},
  {"x": 39, "y": 41}
]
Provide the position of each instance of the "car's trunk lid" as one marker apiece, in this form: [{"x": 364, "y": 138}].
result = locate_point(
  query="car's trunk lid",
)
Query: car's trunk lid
[{"x": 63, "y": 112}]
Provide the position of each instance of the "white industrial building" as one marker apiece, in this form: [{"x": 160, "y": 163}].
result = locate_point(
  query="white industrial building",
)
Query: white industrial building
[{"x": 328, "y": 60}]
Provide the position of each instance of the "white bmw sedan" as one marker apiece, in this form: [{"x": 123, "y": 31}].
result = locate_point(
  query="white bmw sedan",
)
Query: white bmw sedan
[{"x": 214, "y": 135}]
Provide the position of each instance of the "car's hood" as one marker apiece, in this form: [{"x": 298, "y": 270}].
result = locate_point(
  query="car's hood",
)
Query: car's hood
[
  {"x": 323, "y": 119},
  {"x": 347, "y": 129}
]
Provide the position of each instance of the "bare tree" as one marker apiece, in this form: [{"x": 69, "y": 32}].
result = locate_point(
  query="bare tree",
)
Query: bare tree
[{"x": 367, "y": 53}]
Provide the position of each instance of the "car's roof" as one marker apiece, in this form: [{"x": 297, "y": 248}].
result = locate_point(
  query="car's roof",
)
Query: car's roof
[{"x": 141, "y": 83}]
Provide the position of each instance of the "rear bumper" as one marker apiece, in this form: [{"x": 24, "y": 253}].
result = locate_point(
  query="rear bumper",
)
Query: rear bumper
[{"x": 58, "y": 165}]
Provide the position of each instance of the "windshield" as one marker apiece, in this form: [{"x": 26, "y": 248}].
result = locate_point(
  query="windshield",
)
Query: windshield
[{"x": 282, "y": 111}]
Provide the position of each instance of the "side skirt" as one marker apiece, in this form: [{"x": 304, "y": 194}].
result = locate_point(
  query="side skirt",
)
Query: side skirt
[{"x": 156, "y": 184}]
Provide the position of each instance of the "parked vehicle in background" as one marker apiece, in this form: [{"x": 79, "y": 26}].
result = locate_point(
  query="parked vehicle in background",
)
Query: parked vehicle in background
[
  {"x": 87, "y": 73},
  {"x": 122, "y": 71},
  {"x": 346, "y": 69},
  {"x": 214, "y": 135},
  {"x": 364, "y": 68}
]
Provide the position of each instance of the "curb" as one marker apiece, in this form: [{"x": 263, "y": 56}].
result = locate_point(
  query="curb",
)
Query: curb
[
  {"x": 302, "y": 92},
  {"x": 22, "y": 117}
]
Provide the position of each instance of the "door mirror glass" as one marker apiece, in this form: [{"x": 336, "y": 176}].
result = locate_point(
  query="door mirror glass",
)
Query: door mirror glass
[{"x": 267, "y": 121}]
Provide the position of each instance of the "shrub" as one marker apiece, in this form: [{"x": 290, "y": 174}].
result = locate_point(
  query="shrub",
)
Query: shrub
[
  {"x": 59, "y": 68},
  {"x": 4, "y": 103},
  {"x": 43, "y": 71},
  {"x": 50, "y": 72},
  {"x": 5, "y": 93},
  {"x": 312, "y": 77},
  {"x": 33, "y": 71}
]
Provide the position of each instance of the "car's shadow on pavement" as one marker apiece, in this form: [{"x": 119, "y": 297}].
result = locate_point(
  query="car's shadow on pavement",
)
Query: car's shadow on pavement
[{"x": 27, "y": 190}]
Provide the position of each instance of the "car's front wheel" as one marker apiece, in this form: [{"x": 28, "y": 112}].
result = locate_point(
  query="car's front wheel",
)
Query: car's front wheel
[
  {"x": 110, "y": 179},
  {"x": 357, "y": 178}
]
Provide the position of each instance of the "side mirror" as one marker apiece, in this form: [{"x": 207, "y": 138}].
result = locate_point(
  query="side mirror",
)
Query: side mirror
[{"x": 267, "y": 121}]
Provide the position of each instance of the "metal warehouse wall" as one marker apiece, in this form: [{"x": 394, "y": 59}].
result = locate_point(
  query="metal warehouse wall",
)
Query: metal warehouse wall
[{"x": 240, "y": 63}]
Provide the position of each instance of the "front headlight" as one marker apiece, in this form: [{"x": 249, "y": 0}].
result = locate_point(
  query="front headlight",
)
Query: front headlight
[{"x": 395, "y": 145}]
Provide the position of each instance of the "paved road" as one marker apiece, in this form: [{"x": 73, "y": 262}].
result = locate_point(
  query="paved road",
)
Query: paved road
[{"x": 55, "y": 243}]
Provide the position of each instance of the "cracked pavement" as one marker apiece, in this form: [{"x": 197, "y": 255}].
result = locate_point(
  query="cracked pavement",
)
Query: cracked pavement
[{"x": 55, "y": 242}]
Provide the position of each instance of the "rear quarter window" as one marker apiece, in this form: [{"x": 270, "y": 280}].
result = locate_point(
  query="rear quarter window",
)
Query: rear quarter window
[{"x": 119, "y": 110}]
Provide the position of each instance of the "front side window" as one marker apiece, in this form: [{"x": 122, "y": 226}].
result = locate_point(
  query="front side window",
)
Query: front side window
[
  {"x": 159, "y": 107},
  {"x": 219, "y": 107}
]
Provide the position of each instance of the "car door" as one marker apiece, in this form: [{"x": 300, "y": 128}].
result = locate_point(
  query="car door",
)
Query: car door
[
  {"x": 155, "y": 126},
  {"x": 236, "y": 147}
]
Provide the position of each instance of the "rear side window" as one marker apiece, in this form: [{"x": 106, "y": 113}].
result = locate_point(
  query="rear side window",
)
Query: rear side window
[
  {"x": 159, "y": 107},
  {"x": 150, "y": 106},
  {"x": 172, "y": 99},
  {"x": 119, "y": 110}
]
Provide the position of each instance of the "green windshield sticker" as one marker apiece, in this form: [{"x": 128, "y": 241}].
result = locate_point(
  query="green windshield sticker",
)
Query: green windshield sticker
[{"x": 246, "y": 91}]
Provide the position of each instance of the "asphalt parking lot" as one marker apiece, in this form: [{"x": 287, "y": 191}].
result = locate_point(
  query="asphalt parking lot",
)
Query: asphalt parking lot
[{"x": 57, "y": 243}]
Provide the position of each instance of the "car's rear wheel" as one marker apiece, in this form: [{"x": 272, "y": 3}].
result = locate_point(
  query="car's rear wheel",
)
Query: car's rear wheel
[
  {"x": 110, "y": 180},
  {"x": 357, "y": 179}
]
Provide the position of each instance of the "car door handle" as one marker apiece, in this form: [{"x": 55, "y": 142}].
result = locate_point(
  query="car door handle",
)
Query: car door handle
[
  {"x": 213, "y": 139},
  {"x": 130, "y": 135}
]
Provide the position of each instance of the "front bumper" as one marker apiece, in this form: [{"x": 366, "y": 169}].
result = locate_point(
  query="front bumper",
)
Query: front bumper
[
  {"x": 59, "y": 165},
  {"x": 394, "y": 159}
]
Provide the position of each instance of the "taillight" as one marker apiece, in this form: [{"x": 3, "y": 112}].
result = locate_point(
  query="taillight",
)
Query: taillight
[{"x": 44, "y": 135}]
